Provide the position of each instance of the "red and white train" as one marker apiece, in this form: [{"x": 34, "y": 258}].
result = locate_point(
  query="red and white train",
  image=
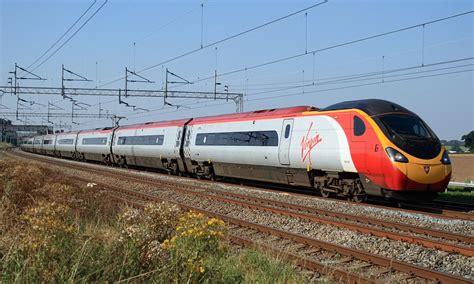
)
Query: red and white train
[{"x": 351, "y": 149}]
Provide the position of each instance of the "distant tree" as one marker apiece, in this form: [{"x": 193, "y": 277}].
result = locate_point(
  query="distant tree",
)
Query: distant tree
[
  {"x": 469, "y": 141},
  {"x": 456, "y": 147}
]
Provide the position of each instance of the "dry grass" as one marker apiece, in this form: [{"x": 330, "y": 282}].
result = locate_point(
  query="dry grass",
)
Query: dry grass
[
  {"x": 53, "y": 229},
  {"x": 463, "y": 167}
]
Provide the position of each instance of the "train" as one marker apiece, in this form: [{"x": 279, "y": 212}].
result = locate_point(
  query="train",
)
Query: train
[{"x": 353, "y": 149}]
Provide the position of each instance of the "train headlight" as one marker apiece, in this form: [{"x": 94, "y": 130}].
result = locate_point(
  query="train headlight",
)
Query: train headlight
[
  {"x": 395, "y": 155},
  {"x": 445, "y": 160}
]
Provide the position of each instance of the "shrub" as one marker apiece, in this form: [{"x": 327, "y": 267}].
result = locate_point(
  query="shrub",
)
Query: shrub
[{"x": 53, "y": 229}]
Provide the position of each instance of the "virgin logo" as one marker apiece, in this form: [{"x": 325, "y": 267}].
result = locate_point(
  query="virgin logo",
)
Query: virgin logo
[{"x": 308, "y": 142}]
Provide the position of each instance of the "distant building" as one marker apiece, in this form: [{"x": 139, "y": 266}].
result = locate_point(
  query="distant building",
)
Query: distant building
[{"x": 12, "y": 133}]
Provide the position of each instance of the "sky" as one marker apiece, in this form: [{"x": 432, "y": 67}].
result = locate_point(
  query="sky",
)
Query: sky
[{"x": 427, "y": 69}]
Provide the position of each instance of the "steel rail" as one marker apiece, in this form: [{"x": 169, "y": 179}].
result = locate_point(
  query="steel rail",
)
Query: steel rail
[
  {"x": 340, "y": 274},
  {"x": 356, "y": 218},
  {"x": 341, "y": 224},
  {"x": 467, "y": 251},
  {"x": 444, "y": 214},
  {"x": 349, "y": 252},
  {"x": 365, "y": 256}
]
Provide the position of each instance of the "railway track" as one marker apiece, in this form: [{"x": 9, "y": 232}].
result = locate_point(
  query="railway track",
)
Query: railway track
[
  {"x": 359, "y": 224},
  {"x": 234, "y": 236},
  {"x": 347, "y": 221},
  {"x": 427, "y": 237},
  {"x": 436, "y": 209},
  {"x": 360, "y": 267}
]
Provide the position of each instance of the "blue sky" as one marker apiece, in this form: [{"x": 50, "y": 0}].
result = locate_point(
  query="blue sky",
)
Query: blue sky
[{"x": 445, "y": 102}]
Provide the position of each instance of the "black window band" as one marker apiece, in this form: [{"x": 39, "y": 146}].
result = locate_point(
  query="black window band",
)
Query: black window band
[
  {"x": 94, "y": 141},
  {"x": 247, "y": 138},
  {"x": 141, "y": 140}
]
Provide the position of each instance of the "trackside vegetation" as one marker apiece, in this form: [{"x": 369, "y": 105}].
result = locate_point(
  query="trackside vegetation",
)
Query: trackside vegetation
[
  {"x": 457, "y": 194},
  {"x": 53, "y": 229}
]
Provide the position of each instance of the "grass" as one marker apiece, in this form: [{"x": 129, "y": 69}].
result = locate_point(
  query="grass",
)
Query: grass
[
  {"x": 4, "y": 145},
  {"x": 457, "y": 194},
  {"x": 55, "y": 230}
]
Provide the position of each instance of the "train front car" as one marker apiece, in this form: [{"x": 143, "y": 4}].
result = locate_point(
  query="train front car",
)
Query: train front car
[{"x": 395, "y": 153}]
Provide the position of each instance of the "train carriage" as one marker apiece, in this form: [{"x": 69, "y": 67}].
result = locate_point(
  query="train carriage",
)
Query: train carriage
[
  {"x": 49, "y": 142},
  {"x": 154, "y": 145},
  {"x": 38, "y": 145},
  {"x": 27, "y": 144},
  {"x": 66, "y": 144},
  {"x": 351, "y": 149},
  {"x": 95, "y": 145},
  {"x": 248, "y": 145}
]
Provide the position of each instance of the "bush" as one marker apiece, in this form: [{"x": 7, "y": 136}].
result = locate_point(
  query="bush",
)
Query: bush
[
  {"x": 195, "y": 243},
  {"x": 55, "y": 230}
]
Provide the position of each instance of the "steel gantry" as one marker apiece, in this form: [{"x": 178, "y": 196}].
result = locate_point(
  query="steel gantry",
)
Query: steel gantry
[{"x": 237, "y": 98}]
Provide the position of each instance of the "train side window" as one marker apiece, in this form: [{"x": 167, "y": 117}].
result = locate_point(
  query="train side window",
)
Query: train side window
[
  {"x": 359, "y": 126},
  {"x": 287, "y": 131}
]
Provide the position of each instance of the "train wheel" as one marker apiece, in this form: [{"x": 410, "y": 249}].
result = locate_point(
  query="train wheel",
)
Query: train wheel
[
  {"x": 325, "y": 193},
  {"x": 359, "y": 197},
  {"x": 359, "y": 194}
]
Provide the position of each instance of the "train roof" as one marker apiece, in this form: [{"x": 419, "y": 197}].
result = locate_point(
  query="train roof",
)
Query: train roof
[
  {"x": 258, "y": 114},
  {"x": 68, "y": 133},
  {"x": 153, "y": 124},
  {"x": 97, "y": 130},
  {"x": 372, "y": 107}
]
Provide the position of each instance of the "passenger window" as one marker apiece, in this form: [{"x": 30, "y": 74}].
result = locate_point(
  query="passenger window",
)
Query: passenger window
[
  {"x": 359, "y": 126},
  {"x": 287, "y": 131}
]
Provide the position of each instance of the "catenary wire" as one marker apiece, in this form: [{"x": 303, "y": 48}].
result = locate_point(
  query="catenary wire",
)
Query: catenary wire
[
  {"x": 63, "y": 35},
  {"x": 69, "y": 38},
  {"x": 150, "y": 113},
  {"x": 333, "y": 46},
  {"x": 222, "y": 40}
]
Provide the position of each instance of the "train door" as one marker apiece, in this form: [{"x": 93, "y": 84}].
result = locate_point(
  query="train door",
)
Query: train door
[
  {"x": 177, "y": 144},
  {"x": 134, "y": 149},
  {"x": 187, "y": 142},
  {"x": 285, "y": 140}
]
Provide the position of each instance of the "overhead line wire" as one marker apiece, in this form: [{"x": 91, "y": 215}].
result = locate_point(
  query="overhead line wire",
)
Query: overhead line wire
[
  {"x": 169, "y": 23},
  {"x": 150, "y": 113},
  {"x": 334, "y": 46},
  {"x": 362, "y": 85},
  {"x": 369, "y": 74},
  {"x": 223, "y": 40},
  {"x": 64, "y": 43},
  {"x": 351, "y": 80},
  {"x": 63, "y": 35}
]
